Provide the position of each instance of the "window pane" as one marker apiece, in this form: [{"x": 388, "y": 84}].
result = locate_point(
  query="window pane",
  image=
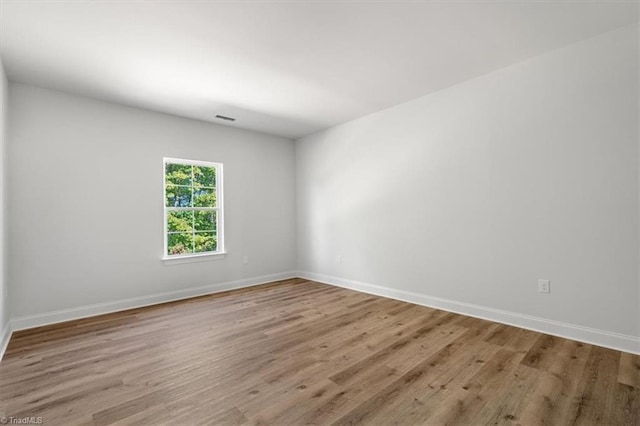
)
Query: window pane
[
  {"x": 205, "y": 221},
  {"x": 204, "y": 176},
  {"x": 205, "y": 241},
  {"x": 180, "y": 243},
  {"x": 178, "y": 196},
  {"x": 177, "y": 174},
  {"x": 180, "y": 221},
  {"x": 204, "y": 197}
]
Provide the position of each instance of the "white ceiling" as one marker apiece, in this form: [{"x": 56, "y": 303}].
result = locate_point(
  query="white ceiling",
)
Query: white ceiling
[{"x": 285, "y": 68}]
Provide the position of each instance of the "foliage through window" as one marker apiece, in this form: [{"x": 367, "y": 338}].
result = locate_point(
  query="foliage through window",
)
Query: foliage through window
[{"x": 192, "y": 207}]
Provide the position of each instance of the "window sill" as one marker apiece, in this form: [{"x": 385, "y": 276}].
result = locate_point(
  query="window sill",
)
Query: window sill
[{"x": 176, "y": 260}]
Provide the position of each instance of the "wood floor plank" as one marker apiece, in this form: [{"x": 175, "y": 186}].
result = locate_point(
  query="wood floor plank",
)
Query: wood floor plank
[
  {"x": 626, "y": 410},
  {"x": 629, "y": 370},
  {"x": 542, "y": 352},
  {"x": 449, "y": 369},
  {"x": 551, "y": 400},
  {"x": 411, "y": 346},
  {"x": 596, "y": 388},
  {"x": 510, "y": 399},
  {"x": 299, "y": 352},
  {"x": 466, "y": 403},
  {"x": 336, "y": 404}
]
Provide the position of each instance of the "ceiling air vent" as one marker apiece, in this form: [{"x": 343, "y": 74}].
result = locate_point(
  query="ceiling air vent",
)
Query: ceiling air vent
[{"x": 222, "y": 117}]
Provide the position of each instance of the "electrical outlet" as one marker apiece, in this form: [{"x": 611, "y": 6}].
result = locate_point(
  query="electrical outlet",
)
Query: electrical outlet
[
  {"x": 245, "y": 260},
  {"x": 339, "y": 258},
  {"x": 544, "y": 286}
]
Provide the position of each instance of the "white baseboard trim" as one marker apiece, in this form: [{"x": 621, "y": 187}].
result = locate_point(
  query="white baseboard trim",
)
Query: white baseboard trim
[
  {"x": 4, "y": 339},
  {"x": 621, "y": 342},
  {"x": 47, "y": 318}
]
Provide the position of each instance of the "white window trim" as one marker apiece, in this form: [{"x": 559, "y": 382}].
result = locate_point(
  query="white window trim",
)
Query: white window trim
[
  {"x": 192, "y": 258},
  {"x": 195, "y": 257}
]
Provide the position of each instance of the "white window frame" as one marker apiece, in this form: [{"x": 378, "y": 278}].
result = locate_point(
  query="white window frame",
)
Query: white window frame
[{"x": 219, "y": 208}]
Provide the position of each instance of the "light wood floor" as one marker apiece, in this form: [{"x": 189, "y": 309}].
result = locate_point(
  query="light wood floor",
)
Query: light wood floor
[{"x": 299, "y": 352}]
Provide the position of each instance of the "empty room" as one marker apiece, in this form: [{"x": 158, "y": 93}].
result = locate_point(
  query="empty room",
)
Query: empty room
[{"x": 319, "y": 212}]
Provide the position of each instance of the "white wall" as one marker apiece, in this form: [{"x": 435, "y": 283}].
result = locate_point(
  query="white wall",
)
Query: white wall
[
  {"x": 473, "y": 193},
  {"x": 86, "y": 203},
  {"x": 4, "y": 302}
]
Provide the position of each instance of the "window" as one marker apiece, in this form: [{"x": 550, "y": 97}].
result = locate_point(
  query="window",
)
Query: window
[{"x": 193, "y": 216}]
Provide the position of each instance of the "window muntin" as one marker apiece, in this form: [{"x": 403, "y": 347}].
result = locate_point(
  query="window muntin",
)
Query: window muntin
[{"x": 192, "y": 208}]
